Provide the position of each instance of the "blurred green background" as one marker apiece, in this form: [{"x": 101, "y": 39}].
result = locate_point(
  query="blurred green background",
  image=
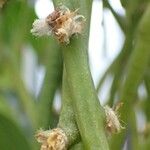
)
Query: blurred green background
[
  {"x": 20, "y": 114},
  {"x": 26, "y": 104}
]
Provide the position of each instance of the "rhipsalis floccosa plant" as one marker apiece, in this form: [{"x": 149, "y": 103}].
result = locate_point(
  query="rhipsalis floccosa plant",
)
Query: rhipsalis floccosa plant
[{"x": 82, "y": 117}]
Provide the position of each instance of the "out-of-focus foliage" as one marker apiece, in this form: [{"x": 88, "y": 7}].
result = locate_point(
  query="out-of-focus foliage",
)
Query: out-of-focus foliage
[
  {"x": 11, "y": 135},
  {"x": 130, "y": 74},
  {"x": 21, "y": 113},
  {"x": 2, "y": 2}
]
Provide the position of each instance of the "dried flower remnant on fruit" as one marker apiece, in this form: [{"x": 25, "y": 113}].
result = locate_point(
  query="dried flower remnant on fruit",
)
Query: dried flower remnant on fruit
[
  {"x": 113, "y": 124},
  {"x": 54, "y": 139},
  {"x": 40, "y": 28},
  {"x": 62, "y": 23}
]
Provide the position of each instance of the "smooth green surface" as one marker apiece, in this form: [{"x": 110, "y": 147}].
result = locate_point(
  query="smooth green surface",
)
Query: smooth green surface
[{"x": 78, "y": 146}]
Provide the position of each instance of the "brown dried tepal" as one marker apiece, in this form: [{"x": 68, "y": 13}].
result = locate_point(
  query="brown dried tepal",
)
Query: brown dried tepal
[
  {"x": 52, "y": 139},
  {"x": 62, "y": 23},
  {"x": 113, "y": 124}
]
